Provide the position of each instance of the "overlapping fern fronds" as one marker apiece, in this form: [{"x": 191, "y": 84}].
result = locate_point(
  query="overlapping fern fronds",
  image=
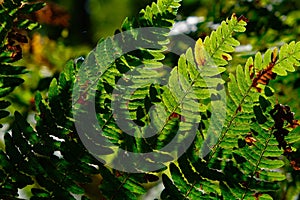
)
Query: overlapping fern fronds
[
  {"x": 128, "y": 67},
  {"x": 12, "y": 21},
  {"x": 50, "y": 155},
  {"x": 245, "y": 161},
  {"x": 227, "y": 138}
]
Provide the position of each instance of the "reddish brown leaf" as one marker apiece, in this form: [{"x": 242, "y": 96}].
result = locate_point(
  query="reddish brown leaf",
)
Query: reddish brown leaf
[
  {"x": 257, "y": 174},
  {"x": 295, "y": 123},
  {"x": 264, "y": 76},
  {"x": 16, "y": 52},
  {"x": 257, "y": 195},
  {"x": 239, "y": 108},
  {"x": 288, "y": 150},
  {"x": 295, "y": 165},
  {"x": 249, "y": 139},
  {"x": 53, "y": 14},
  {"x": 118, "y": 173},
  {"x": 82, "y": 100},
  {"x": 174, "y": 115},
  {"x": 251, "y": 71},
  {"x": 14, "y": 36},
  {"x": 243, "y": 18},
  {"x": 225, "y": 57}
]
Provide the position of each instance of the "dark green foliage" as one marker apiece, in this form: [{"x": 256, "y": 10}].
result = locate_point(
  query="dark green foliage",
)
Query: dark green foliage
[
  {"x": 14, "y": 16},
  {"x": 236, "y": 152},
  {"x": 33, "y": 152}
]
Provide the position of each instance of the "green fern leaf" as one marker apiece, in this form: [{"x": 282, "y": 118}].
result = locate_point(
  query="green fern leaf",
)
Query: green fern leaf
[
  {"x": 289, "y": 56},
  {"x": 221, "y": 41},
  {"x": 244, "y": 160},
  {"x": 261, "y": 156},
  {"x": 53, "y": 146},
  {"x": 254, "y": 163}
]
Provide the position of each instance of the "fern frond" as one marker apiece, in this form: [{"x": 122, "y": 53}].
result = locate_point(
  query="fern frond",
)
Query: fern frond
[
  {"x": 289, "y": 56},
  {"x": 12, "y": 22},
  {"x": 189, "y": 84},
  {"x": 221, "y": 42},
  {"x": 184, "y": 106},
  {"x": 242, "y": 110},
  {"x": 127, "y": 186},
  {"x": 199, "y": 83},
  {"x": 187, "y": 181},
  {"x": 258, "y": 155},
  {"x": 54, "y": 144},
  {"x": 112, "y": 68},
  {"x": 255, "y": 165},
  {"x": 242, "y": 94}
]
